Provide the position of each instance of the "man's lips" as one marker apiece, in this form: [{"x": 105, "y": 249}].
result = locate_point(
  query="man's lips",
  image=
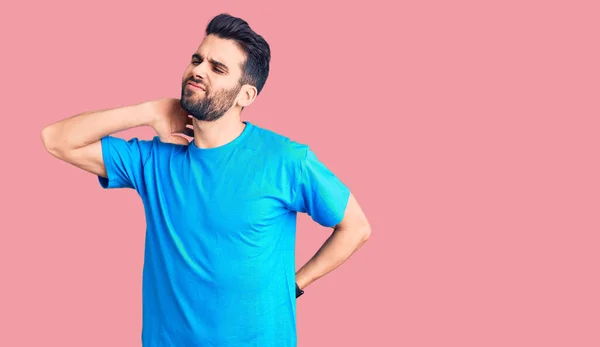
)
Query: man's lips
[{"x": 197, "y": 86}]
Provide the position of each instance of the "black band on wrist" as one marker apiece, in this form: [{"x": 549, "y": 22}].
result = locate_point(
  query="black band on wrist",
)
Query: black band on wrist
[{"x": 298, "y": 291}]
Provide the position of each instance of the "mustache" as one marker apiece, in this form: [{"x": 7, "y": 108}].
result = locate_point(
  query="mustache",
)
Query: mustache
[{"x": 198, "y": 82}]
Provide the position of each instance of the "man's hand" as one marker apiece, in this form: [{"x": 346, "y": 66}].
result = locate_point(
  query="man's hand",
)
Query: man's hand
[
  {"x": 347, "y": 237},
  {"x": 169, "y": 119}
]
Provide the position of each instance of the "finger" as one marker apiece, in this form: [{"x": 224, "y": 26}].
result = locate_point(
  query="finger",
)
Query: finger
[
  {"x": 190, "y": 120},
  {"x": 176, "y": 139},
  {"x": 180, "y": 140}
]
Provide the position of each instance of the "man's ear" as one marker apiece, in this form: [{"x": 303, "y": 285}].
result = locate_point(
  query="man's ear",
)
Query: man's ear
[{"x": 247, "y": 95}]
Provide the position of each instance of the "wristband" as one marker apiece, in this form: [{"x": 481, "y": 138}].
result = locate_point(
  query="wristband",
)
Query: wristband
[{"x": 298, "y": 291}]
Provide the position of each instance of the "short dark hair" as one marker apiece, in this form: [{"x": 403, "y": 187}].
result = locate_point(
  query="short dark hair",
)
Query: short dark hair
[{"x": 255, "y": 69}]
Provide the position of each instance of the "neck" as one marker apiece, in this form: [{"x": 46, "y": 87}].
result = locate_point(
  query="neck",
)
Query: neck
[{"x": 217, "y": 133}]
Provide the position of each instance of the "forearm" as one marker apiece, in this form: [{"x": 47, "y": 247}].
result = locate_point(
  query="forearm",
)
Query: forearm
[
  {"x": 88, "y": 127},
  {"x": 336, "y": 250}
]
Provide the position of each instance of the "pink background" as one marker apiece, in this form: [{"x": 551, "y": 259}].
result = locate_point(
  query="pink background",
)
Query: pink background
[{"x": 467, "y": 130}]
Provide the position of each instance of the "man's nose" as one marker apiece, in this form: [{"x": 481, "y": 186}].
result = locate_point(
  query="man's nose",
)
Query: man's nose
[{"x": 200, "y": 70}]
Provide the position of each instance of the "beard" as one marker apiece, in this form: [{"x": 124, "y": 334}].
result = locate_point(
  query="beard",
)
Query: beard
[{"x": 209, "y": 107}]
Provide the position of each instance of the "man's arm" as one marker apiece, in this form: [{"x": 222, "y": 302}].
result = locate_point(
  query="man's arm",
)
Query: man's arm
[
  {"x": 76, "y": 140},
  {"x": 348, "y": 236}
]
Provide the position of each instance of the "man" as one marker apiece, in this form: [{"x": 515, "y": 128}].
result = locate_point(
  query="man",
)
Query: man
[{"x": 219, "y": 266}]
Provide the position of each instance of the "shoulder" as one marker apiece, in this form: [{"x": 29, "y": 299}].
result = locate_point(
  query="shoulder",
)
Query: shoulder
[
  {"x": 140, "y": 149},
  {"x": 278, "y": 146},
  {"x": 161, "y": 148}
]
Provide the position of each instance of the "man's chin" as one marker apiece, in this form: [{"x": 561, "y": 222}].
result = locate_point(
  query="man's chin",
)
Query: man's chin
[
  {"x": 188, "y": 93},
  {"x": 190, "y": 103}
]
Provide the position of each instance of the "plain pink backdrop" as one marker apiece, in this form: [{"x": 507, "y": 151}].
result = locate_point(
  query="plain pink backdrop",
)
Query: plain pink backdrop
[{"x": 468, "y": 131}]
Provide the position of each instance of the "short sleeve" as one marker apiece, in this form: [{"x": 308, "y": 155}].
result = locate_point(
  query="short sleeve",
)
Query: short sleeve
[
  {"x": 124, "y": 161},
  {"x": 319, "y": 192}
]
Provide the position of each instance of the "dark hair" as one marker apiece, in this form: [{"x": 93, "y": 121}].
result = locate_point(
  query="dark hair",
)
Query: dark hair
[{"x": 258, "y": 53}]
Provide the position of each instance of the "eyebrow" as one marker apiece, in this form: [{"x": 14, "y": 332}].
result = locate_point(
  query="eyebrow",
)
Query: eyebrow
[{"x": 212, "y": 61}]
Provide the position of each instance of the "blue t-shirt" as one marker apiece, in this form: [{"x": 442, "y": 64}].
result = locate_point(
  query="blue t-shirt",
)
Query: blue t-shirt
[{"x": 219, "y": 259}]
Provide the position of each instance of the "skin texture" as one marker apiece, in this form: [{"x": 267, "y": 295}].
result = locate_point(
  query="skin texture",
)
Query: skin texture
[{"x": 211, "y": 115}]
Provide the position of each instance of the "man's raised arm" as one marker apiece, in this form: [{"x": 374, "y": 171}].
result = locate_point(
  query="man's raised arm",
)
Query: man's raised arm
[{"x": 76, "y": 140}]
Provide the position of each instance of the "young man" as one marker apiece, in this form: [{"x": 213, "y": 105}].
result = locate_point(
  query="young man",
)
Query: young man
[{"x": 219, "y": 266}]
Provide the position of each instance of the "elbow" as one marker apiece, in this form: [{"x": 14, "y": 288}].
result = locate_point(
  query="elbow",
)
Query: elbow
[
  {"x": 366, "y": 232},
  {"x": 49, "y": 141}
]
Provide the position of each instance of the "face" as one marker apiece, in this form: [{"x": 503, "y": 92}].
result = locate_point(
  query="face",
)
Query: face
[{"x": 211, "y": 83}]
